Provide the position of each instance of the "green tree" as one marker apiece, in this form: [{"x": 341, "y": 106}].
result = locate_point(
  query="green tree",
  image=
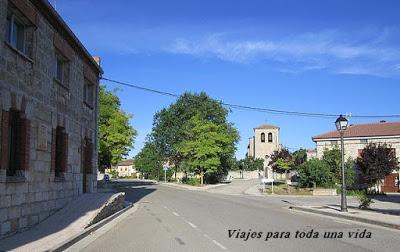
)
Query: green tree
[
  {"x": 206, "y": 142},
  {"x": 375, "y": 162},
  {"x": 282, "y": 161},
  {"x": 116, "y": 135},
  {"x": 169, "y": 126},
  {"x": 315, "y": 172},
  {"x": 114, "y": 173},
  {"x": 299, "y": 157},
  {"x": 251, "y": 164},
  {"x": 334, "y": 159},
  {"x": 149, "y": 162}
]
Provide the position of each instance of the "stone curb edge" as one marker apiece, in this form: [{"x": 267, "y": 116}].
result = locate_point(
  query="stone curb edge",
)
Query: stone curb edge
[
  {"x": 353, "y": 218},
  {"x": 68, "y": 243}
]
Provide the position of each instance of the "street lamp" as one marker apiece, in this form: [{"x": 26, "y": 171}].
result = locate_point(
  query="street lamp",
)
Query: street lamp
[{"x": 341, "y": 126}]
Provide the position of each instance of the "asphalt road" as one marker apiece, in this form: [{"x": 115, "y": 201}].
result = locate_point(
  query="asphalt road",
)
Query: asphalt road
[{"x": 169, "y": 219}]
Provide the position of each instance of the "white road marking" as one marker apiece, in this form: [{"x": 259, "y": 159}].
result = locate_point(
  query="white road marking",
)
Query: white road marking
[
  {"x": 175, "y": 213},
  {"x": 166, "y": 207},
  {"x": 191, "y": 224},
  {"x": 219, "y": 244}
]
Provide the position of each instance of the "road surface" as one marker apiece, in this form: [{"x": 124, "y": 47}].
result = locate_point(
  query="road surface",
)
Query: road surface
[{"x": 170, "y": 219}]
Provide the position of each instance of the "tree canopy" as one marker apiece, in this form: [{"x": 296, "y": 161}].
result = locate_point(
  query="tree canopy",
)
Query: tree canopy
[
  {"x": 315, "y": 172},
  {"x": 334, "y": 159},
  {"x": 250, "y": 164},
  {"x": 375, "y": 162},
  {"x": 169, "y": 123},
  {"x": 180, "y": 128},
  {"x": 149, "y": 162},
  {"x": 281, "y": 161},
  {"x": 206, "y": 142},
  {"x": 116, "y": 135}
]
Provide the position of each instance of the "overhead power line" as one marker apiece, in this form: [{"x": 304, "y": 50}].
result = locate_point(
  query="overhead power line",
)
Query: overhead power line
[{"x": 251, "y": 108}]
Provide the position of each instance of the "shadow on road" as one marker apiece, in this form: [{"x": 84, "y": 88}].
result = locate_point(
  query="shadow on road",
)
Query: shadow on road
[
  {"x": 394, "y": 198},
  {"x": 135, "y": 190}
]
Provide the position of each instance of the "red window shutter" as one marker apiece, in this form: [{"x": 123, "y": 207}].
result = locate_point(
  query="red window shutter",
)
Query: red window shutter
[
  {"x": 5, "y": 121},
  {"x": 64, "y": 165},
  {"x": 53, "y": 149}
]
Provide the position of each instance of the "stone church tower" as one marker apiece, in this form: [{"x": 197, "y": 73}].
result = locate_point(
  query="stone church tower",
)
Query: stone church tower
[{"x": 264, "y": 142}]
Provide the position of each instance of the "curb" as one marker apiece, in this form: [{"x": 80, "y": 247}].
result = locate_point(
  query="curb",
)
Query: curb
[
  {"x": 74, "y": 239},
  {"x": 352, "y": 218}
]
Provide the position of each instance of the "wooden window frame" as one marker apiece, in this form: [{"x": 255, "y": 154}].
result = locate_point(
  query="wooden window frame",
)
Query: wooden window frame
[{"x": 15, "y": 143}]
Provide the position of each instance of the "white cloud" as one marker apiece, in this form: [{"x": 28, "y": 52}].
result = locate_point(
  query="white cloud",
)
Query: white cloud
[{"x": 304, "y": 52}]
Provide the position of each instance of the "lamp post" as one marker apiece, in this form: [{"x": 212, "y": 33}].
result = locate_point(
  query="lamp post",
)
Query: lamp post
[{"x": 341, "y": 126}]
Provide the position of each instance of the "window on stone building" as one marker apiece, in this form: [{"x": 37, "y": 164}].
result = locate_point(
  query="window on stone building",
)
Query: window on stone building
[
  {"x": 364, "y": 141},
  {"x": 87, "y": 156},
  {"x": 61, "y": 151},
  {"x": 15, "y": 33},
  {"x": 15, "y": 143},
  {"x": 61, "y": 69},
  {"x": 12, "y": 140},
  {"x": 88, "y": 93},
  {"x": 263, "y": 137},
  {"x": 269, "y": 137}
]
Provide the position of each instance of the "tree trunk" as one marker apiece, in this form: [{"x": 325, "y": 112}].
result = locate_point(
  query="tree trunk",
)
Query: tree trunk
[{"x": 201, "y": 178}]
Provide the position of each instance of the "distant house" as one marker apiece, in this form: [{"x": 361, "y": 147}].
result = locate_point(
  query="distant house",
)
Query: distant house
[
  {"x": 264, "y": 142},
  {"x": 357, "y": 136},
  {"x": 126, "y": 168}
]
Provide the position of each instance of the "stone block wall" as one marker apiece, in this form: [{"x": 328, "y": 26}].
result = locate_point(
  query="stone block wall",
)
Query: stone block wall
[{"x": 27, "y": 84}]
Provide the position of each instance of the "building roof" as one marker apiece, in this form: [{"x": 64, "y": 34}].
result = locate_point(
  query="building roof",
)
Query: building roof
[
  {"x": 126, "y": 162},
  {"x": 365, "y": 130},
  {"x": 63, "y": 29},
  {"x": 266, "y": 126}
]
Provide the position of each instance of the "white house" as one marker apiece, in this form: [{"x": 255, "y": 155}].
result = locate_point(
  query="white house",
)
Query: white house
[{"x": 126, "y": 168}]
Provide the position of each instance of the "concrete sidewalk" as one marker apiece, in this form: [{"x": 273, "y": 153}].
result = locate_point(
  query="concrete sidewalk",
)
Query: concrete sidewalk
[
  {"x": 354, "y": 214},
  {"x": 62, "y": 226}
]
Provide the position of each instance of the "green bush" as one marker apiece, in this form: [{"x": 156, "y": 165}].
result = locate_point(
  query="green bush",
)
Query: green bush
[
  {"x": 114, "y": 173},
  {"x": 316, "y": 172},
  {"x": 191, "y": 181},
  {"x": 363, "y": 199}
]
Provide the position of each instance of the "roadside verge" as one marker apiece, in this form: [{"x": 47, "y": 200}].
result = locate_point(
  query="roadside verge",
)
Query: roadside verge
[{"x": 369, "y": 217}]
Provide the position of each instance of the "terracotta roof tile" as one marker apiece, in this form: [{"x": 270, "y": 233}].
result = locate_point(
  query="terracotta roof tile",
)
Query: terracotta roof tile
[
  {"x": 126, "y": 162},
  {"x": 365, "y": 130}
]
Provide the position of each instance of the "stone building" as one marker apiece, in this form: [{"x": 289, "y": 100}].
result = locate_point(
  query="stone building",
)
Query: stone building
[
  {"x": 264, "y": 142},
  {"x": 357, "y": 136},
  {"x": 48, "y": 114}
]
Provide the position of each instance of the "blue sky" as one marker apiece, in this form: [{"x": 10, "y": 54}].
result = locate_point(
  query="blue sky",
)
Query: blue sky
[{"x": 315, "y": 56}]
